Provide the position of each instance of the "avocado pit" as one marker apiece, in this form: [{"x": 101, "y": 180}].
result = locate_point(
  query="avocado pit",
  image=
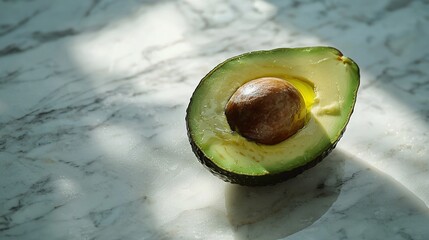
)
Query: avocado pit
[{"x": 266, "y": 110}]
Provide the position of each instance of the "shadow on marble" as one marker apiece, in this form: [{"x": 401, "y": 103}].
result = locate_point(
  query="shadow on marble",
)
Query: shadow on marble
[
  {"x": 340, "y": 198},
  {"x": 277, "y": 211}
]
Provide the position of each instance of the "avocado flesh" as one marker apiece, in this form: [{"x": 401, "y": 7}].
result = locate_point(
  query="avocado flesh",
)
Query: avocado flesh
[{"x": 327, "y": 80}]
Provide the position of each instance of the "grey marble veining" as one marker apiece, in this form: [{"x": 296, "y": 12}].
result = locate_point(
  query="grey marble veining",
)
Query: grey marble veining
[{"x": 93, "y": 142}]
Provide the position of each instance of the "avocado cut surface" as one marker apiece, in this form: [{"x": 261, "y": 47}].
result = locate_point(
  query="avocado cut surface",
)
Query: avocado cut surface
[{"x": 328, "y": 83}]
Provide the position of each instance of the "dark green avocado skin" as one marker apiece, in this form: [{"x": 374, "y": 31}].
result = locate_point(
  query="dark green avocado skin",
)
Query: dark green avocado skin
[{"x": 246, "y": 180}]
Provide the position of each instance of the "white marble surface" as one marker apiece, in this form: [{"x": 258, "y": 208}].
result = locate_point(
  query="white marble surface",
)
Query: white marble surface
[{"x": 92, "y": 135}]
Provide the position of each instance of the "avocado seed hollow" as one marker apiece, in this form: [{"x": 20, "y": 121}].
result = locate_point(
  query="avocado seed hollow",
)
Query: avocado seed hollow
[{"x": 266, "y": 110}]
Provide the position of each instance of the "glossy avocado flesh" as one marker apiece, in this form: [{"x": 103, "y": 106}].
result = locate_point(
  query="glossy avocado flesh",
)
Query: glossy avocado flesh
[{"x": 328, "y": 83}]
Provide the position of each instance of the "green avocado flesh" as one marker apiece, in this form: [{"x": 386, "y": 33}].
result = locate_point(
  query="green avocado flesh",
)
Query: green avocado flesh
[{"x": 326, "y": 79}]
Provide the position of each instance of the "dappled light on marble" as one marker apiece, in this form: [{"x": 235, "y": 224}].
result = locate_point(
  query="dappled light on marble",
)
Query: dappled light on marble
[
  {"x": 67, "y": 187},
  {"x": 107, "y": 53},
  {"x": 93, "y": 142},
  {"x": 395, "y": 147}
]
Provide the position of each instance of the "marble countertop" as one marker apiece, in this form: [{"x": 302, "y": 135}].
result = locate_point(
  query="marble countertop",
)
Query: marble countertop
[{"x": 93, "y": 142}]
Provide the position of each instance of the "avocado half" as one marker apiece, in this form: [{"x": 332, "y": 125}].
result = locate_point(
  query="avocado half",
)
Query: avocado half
[{"x": 328, "y": 83}]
